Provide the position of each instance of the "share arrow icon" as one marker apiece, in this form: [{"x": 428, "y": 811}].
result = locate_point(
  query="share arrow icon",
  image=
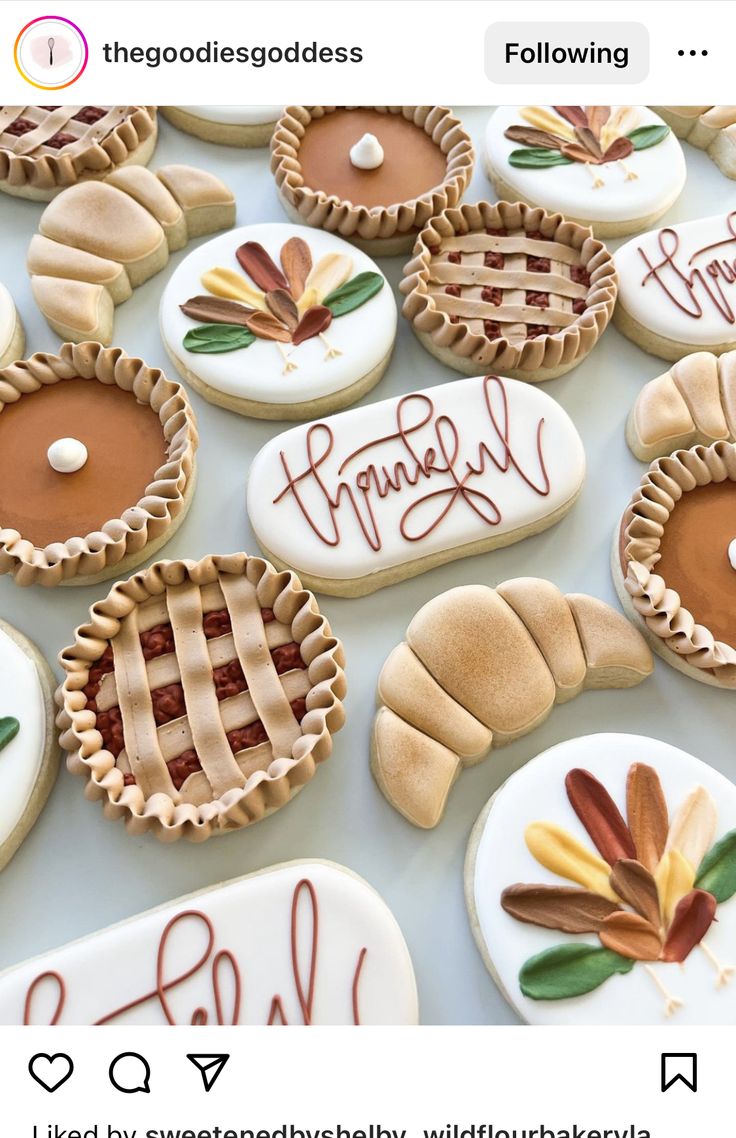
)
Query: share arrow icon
[{"x": 210, "y": 1068}]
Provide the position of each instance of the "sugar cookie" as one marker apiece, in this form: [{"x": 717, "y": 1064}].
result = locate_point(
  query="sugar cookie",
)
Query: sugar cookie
[
  {"x": 599, "y": 883},
  {"x": 617, "y": 169}
]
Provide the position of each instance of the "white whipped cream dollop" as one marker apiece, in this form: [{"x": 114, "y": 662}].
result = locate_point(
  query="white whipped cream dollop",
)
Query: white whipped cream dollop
[
  {"x": 732, "y": 553},
  {"x": 367, "y": 154},
  {"x": 67, "y": 455}
]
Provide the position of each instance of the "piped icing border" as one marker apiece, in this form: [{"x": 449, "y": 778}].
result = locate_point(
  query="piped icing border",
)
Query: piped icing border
[
  {"x": 164, "y": 499},
  {"x": 560, "y": 350},
  {"x": 348, "y": 220},
  {"x": 131, "y": 127},
  {"x": 659, "y": 606},
  {"x": 263, "y": 790}
]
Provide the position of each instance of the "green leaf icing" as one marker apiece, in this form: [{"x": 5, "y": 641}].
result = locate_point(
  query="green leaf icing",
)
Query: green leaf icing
[
  {"x": 717, "y": 872},
  {"x": 353, "y": 293},
  {"x": 213, "y": 338},
  {"x": 645, "y": 136},
  {"x": 538, "y": 157},
  {"x": 570, "y": 970},
  {"x": 9, "y": 728}
]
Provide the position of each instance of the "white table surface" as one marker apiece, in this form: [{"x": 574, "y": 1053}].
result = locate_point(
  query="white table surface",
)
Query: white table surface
[{"x": 78, "y": 872}]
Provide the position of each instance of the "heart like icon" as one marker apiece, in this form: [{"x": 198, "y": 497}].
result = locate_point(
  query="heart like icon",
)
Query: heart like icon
[{"x": 51, "y": 1071}]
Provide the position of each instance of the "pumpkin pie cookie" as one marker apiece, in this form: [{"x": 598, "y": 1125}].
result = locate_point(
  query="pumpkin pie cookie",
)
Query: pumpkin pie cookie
[
  {"x": 46, "y": 149},
  {"x": 229, "y": 126},
  {"x": 97, "y": 464},
  {"x": 375, "y": 175},
  {"x": 98, "y": 241},
  {"x": 509, "y": 288},
  {"x": 279, "y": 322},
  {"x": 674, "y": 561},
  {"x": 617, "y": 169},
  {"x": 201, "y": 695}
]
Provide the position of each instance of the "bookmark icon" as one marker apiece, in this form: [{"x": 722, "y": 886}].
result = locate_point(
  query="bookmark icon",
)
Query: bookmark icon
[{"x": 679, "y": 1067}]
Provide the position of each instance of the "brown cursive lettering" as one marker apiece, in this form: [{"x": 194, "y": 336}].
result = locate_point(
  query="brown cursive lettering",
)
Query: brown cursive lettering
[
  {"x": 691, "y": 286},
  {"x": 361, "y": 488},
  {"x": 304, "y": 911}
]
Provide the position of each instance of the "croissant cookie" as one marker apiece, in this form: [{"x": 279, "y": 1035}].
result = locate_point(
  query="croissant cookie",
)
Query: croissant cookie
[
  {"x": 712, "y": 129},
  {"x": 481, "y": 667},
  {"x": 694, "y": 403},
  {"x": 97, "y": 241}
]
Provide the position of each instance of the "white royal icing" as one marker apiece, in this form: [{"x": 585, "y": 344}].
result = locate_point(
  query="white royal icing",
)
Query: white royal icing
[
  {"x": 236, "y": 116},
  {"x": 7, "y": 320},
  {"x": 67, "y": 455},
  {"x": 367, "y": 154},
  {"x": 21, "y": 695},
  {"x": 678, "y": 281},
  {"x": 364, "y": 337},
  {"x": 446, "y": 502},
  {"x": 732, "y": 553},
  {"x": 251, "y": 919},
  {"x": 660, "y": 176},
  {"x": 537, "y": 793}
]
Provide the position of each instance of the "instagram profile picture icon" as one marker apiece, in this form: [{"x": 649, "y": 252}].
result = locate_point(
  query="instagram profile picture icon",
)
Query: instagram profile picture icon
[{"x": 51, "y": 52}]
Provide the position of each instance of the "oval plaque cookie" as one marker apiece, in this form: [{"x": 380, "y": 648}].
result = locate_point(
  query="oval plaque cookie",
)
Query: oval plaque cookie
[
  {"x": 677, "y": 288},
  {"x": 305, "y": 942},
  {"x": 388, "y": 491}
]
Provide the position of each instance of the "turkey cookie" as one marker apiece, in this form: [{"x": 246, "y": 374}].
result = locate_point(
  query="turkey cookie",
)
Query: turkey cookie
[
  {"x": 200, "y": 696},
  {"x": 694, "y": 403},
  {"x": 599, "y": 882},
  {"x": 375, "y": 175},
  {"x": 387, "y": 491},
  {"x": 617, "y": 169},
  {"x": 306, "y": 943},
  {"x": 508, "y": 287},
  {"x": 97, "y": 464},
  {"x": 674, "y": 561},
  {"x": 12, "y": 336},
  {"x": 677, "y": 288},
  {"x": 29, "y": 748},
  {"x": 710, "y": 128},
  {"x": 97, "y": 242},
  {"x": 279, "y": 322},
  {"x": 229, "y": 126},
  {"x": 46, "y": 149},
  {"x": 481, "y": 667}
]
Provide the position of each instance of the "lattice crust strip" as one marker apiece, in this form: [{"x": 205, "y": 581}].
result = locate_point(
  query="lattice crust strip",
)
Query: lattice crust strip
[
  {"x": 48, "y": 147},
  {"x": 480, "y": 277},
  {"x": 257, "y": 612},
  {"x": 509, "y": 288}
]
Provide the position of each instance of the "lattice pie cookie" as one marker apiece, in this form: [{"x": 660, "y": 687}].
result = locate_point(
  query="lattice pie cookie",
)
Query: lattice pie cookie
[
  {"x": 45, "y": 149},
  {"x": 201, "y": 695},
  {"x": 508, "y": 287}
]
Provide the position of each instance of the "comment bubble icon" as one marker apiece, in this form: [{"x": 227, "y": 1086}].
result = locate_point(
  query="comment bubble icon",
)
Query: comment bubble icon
[{"x": 130, "y": 1073}]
